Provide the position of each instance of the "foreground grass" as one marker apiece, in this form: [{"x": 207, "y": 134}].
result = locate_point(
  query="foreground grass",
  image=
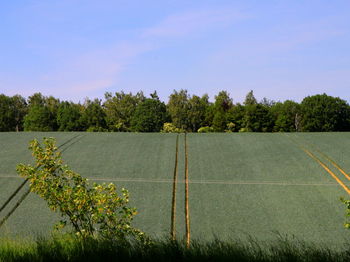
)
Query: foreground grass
[{"x": 67, "y": 248}]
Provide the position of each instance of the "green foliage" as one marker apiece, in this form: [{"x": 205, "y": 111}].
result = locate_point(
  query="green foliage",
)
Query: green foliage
[
  {"x": 149, "y": 116},
  {"x": 38, "y": 119},
  {"x": 347, "y": 203},
  {"x": 230, "y": 127},
  {"x": 93, "y": 116},
  {"x": 197, "y": 108},
  {"x": 170, "y": 128},
  {"x": 244, "y": 129},
  {"x": 223, "y": 104},
  {"x": 219, "y": 121},
  {"x": 6, "y": 114},
  {"x": 95, "y": 210},
  {"x": 250, "y": 99},
  {"x": 286, "y": 116},
  {"x": 120, "y": 109},
  {"x": 205, "y": 129},
  {"x": 124, "y": 112},
  {"x": 69, "y": 117},
  {"x": 257, "y": 118},
  {"x": 19, "y": 109},
  {"x": 42, "y": 113},
  {"x": 325, "y": 113},
  {"x": 178, "y": 108},
  {"x": 223, "y": 101},
  {"x": 236, "y": 116}
]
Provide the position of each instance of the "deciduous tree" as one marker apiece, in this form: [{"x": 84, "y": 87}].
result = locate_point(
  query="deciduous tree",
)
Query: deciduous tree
[
  {"x": 149, "y": 116},
  {"x": 120, "y": 108},
  {"x": 325, "y": 113}
]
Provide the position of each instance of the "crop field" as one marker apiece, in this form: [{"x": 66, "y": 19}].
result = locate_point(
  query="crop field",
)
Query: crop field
[{"x": 240, "y": 184}]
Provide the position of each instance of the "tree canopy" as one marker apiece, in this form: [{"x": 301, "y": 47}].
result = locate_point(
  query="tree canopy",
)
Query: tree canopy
[{"x": 127, "y": 112}]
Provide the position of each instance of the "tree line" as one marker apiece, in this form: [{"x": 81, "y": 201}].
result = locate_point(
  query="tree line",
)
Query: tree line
[{"x": 127, "y": 112}]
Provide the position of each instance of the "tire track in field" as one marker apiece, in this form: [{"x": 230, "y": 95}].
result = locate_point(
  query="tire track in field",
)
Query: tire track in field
[
  {"x": 187, "y": 214},
  {"x": 173, "y": 206},
  {"x": 334, "y": 164},
  {"x": 28, "y": 191},
  {"x": 328, "y": 170},
  {"x": 328, "y": 158},
  {"x": 322, "y": 164}
]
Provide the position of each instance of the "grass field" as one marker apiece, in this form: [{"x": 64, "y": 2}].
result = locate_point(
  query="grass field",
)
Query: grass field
[{"x": 240, "y": 185}]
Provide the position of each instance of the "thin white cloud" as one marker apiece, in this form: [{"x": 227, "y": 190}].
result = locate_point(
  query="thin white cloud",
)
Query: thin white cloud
[
  {"x": 98, "y": 70},
  {"x": 183, "y": 24},
  {"x": 80, "y": 76}
]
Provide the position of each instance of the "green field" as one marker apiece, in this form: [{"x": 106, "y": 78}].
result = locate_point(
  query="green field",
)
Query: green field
[{"x": 241, "y": 184}]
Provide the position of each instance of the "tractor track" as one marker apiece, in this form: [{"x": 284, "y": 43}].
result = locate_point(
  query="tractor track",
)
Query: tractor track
[{"x": 26, "y": 193}]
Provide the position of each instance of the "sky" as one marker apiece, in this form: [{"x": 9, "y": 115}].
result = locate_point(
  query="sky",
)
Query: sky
[{"x": 73, "y": 49}]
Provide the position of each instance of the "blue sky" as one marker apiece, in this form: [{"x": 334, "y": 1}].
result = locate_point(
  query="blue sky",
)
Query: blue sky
[{"x": 72, "y": 49}]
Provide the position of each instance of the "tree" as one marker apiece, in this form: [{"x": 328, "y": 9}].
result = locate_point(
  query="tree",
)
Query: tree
[
  {"x": 120, "y": 108},
  {"x": 236, "y": 116},
  {"x": 36, "y": 99},
  {"x": 6, "y": 114},
  {"x": 257, "y": 118},
  {"x": 223, "y": 103},
  {"x": 93, "y": 116},
  {"x": 325, "y": 113},
  {"x": 20, "y": 109},
  {"x": 250, "y": 99},
  {"x": 219, "y": 121},
  {"x": 42, "y": 113},
  {"x": 92, "y": 210},
  {"x": 178, "y": 108},
  {"x": 53, "y": 104},
  {"x": 197, "y": 108},
  {"x": 38, "y": 119},
  {"x": 69, "y": 117},
  {"x": 286, "y": 116},
  {"x": 170, "y": 128},
  {"x": 149, "y": 116}
]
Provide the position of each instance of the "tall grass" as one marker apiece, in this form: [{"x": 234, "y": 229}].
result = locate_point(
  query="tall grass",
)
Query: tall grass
[{"x": 69, "y": 248}]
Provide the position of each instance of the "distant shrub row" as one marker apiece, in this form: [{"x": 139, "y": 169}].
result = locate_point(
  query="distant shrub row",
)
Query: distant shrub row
[{"x": 125, "y": 112}]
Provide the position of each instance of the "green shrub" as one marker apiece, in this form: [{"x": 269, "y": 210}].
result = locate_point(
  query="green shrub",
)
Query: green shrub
[
  {"x": 171, "y": 128},
  {"x": 205, "y": 129},
  {"x": 95, "y": 210},
  {"x": 244, "y": 129},
  {"x": 230, "y": 127}
]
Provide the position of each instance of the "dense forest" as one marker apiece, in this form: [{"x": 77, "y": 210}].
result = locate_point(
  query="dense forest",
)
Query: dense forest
[{"x": 126, "y": 112}]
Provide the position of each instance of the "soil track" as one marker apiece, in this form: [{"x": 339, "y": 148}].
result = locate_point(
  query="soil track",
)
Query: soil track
[
  {"x": 328, "y": 170},
  {"x": 187, "y": 215},
  {"x": 26, "y": 193},
  {"x": 173, "y": 204}
]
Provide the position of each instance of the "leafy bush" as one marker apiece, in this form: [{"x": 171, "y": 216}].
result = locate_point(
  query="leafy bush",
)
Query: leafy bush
[
  {"x": 205, "y": 129},
  {"x": 244, "y": 129},
  {"x": 347, "y": 203},
  {"x": 95, "y": 210},
  {"x": 171, "y": 128},
  {"x": 230, "y": 127}
]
